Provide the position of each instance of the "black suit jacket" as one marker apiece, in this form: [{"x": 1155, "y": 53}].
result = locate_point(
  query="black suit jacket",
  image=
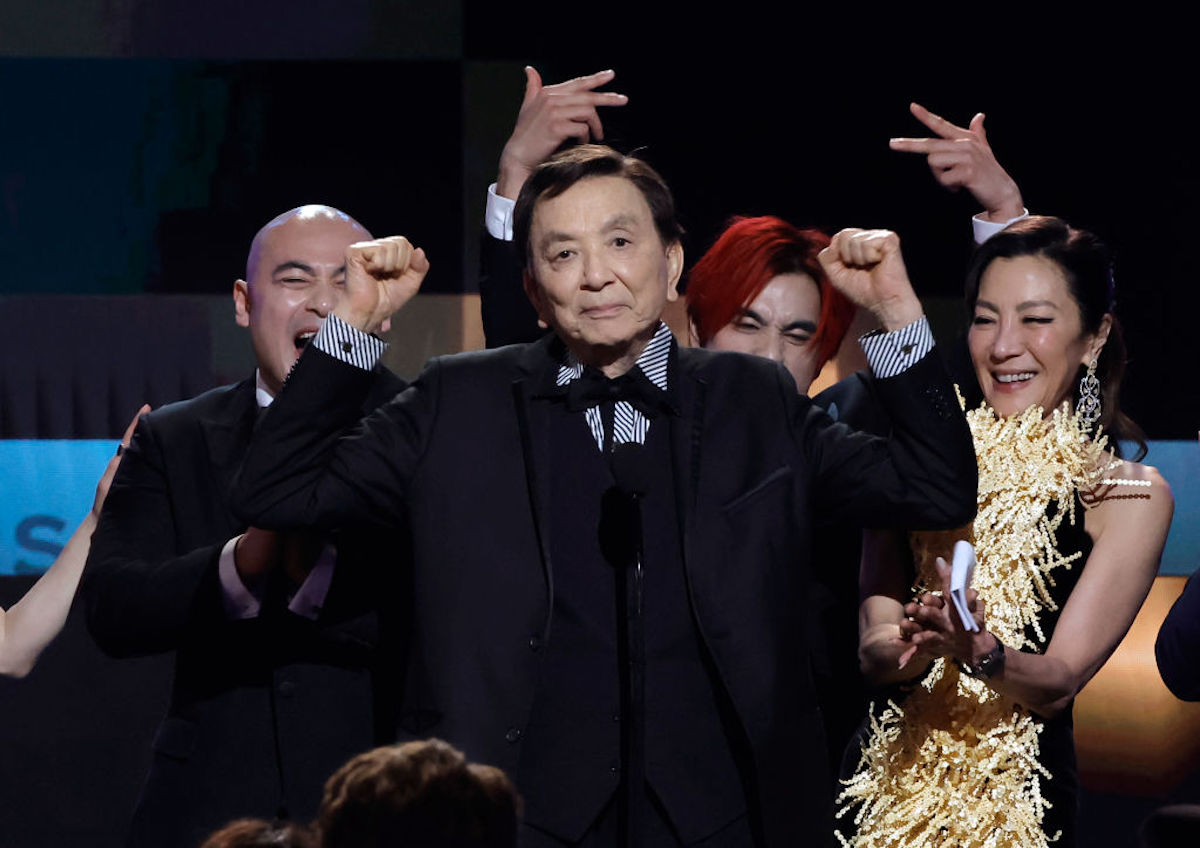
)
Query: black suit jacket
[
  {"x": 1177, "y": 647},
  {"x": 463, "y": 454},
  {"x": 262, "y": 710}
]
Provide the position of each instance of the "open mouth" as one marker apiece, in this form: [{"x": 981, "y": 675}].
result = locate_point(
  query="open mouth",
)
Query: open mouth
[
  {"x": 302, "y": 339},
  {"x": 1015, "y": 378}
]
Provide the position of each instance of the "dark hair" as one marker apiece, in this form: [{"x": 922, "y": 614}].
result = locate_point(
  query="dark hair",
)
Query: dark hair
[
  {"x": 259, "y": 833},
  {"x": 748, "y": 255},
  {"x": 563, "y": 170},
  {"x": 1087, "y": 267},
  {"x": 418, "y": 793}
]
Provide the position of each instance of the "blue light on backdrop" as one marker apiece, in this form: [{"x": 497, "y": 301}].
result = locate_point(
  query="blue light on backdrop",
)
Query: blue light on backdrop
[
  {"x": 46, "y": 487},
  {"x": 1179, "y": 463}
]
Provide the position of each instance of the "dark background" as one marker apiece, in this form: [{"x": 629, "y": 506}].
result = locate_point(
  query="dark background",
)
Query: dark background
[{"x": 142, "y": 143}]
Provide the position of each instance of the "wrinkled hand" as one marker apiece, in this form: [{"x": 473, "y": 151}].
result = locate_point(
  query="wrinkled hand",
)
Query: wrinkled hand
[
  {"x": 110, "y": 470},
  {"x": 866, "y": 266},
  {"x": 549, "y": 116},
  {"x": 933, "y": 628},
  {"x": 962, "y": 158},
  {"x": 381, "y": 276}
]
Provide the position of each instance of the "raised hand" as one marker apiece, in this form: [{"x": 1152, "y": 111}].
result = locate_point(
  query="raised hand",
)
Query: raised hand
[
  {"x": 960, "y": 157},
  {"x": 110, "y": 470},
  {"x": 550, "y": 115},
  {"x": 866, "y": 266},
  {"x": 381, "y": 276}
]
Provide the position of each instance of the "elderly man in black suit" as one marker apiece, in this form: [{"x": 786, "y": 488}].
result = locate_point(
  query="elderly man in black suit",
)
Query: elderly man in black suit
[
  {"x": 650, "y": 690},
  {"x": 286, "y": 643}
]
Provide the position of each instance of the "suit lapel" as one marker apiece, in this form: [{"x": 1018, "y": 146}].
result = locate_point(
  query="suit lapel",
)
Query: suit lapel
[
  {"x": 537, "y": 367},
  {"x": 226, "y": 436},
  {"x": 686, "y": 441}
]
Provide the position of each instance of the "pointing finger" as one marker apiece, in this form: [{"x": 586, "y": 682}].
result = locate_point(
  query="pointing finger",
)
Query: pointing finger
[
  {"x": 922, "y": 145},
  {"x": 585, "y": 83},
  {"x": 936, "y": 123}
]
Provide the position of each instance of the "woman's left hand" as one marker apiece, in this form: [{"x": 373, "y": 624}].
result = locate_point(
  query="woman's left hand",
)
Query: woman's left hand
[
  {"x": 110, "y": 470},
  {"x": 933, "y": 627}
]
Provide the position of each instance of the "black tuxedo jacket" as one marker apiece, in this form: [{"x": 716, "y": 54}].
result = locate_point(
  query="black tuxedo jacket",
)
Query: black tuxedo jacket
[
  {"x": 262, "y": 710},
  {"x": 463, "y": 455}
]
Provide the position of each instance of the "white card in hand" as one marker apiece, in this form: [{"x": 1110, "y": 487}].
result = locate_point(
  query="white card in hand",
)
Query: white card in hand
[{"x": 961, "y": 573}]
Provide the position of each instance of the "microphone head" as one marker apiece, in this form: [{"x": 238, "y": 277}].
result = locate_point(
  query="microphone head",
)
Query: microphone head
[{"x": 629, "y": 469}]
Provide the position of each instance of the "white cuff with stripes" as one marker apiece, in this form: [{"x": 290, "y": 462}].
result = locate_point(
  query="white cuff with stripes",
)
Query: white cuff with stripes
[
  {"x": 354, "y": 347},
  {"x": 892, "y": 353}
]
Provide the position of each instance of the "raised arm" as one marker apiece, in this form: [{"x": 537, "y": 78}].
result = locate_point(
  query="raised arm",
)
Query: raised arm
[
  {"x": 924, "y": 474},
  {"x": 1129, "y": 534},
  {"x": 550, "y": 116},
  {"x": 38, "y": 617},
  {"x": 961, "y": 158},
  {"x": 298, "y": 470}
]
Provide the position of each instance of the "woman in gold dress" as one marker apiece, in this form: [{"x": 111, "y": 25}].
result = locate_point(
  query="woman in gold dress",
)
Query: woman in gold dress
[{"x": 969, "y": 741}]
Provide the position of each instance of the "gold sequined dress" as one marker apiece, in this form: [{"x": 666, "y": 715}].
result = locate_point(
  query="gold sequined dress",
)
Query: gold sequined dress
[{"x": 946, "y": 761}]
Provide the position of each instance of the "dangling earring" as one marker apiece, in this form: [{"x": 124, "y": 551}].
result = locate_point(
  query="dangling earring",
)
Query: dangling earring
[{"x": 1089, "y": 397}]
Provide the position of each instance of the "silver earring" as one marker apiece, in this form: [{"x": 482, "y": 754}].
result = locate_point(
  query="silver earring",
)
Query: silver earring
[{"x": 1089, "y": 397}]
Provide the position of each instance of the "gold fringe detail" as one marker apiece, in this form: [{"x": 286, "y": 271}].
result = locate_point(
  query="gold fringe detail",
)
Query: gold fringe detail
[{"x": 957, "y": 764}]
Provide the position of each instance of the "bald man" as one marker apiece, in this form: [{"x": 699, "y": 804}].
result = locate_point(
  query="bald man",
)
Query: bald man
[{"x": 287, "y": 657}]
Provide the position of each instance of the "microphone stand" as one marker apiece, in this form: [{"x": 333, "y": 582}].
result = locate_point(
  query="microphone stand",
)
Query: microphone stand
[{"x": 629, "y": 472}]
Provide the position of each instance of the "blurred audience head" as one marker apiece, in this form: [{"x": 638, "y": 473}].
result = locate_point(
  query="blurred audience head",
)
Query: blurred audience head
[
  {"x": 418, "y": 794},
  {"x": 258, "y": 833}
]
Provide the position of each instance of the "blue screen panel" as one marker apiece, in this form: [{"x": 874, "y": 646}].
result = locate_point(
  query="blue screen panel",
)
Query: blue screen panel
[
  {"x": 1179, "y": 464},
  {"x": 46, "y": 488}
]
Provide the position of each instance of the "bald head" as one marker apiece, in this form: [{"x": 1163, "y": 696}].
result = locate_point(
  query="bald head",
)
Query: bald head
[
  {"x": 309, "y": 213},
  {"x": 295, "y": 276}
]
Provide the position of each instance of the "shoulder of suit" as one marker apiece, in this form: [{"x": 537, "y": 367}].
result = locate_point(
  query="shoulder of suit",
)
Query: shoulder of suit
[
  {"x": 724, "y": 364},
  {"x": 852, "y": 390},
  {"x": 214, "y": 402},
  {"x": 493, "y": 361}
]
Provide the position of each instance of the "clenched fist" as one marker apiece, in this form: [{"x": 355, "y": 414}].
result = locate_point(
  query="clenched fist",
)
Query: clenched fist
[
  {"x": 866, "y": 266},
  {"x": 381, "y": 276}
]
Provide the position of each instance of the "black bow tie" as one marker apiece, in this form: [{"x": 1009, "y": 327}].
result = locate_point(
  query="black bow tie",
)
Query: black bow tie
[{"x": 592, "y": 388}]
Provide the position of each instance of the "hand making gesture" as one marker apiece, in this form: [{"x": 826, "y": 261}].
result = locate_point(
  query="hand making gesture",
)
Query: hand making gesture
[
  {"x": 551, "y": 114},
  {"x": 960, "y": 157}
]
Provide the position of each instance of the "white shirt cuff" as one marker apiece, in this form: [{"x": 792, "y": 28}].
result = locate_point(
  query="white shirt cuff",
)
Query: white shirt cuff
[
  {"x": 240, "y": 602},
  {"x": 985, "y": 229},
  {"x": 498, "y": 215},
  {"x": 310, "y": 597},
  {"x": 893, "y": 353},
  {"x": 345, "y": 343}
]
